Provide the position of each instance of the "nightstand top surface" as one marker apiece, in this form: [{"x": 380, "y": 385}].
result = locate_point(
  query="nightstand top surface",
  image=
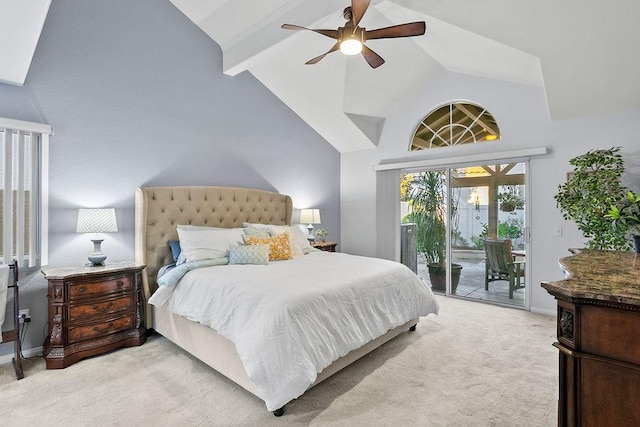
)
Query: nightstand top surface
[
  {"x": 323, "y": 243},
  {"x": 88, "y": 270}
]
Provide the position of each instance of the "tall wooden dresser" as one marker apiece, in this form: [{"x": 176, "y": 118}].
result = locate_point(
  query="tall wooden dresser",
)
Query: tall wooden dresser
[
  {"x": 93, "y": 310},
  {"x": 598, "y": 336}
]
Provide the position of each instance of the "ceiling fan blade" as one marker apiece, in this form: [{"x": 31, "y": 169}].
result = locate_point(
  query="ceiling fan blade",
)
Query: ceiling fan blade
[
  {"x": 329, "y": 33},
  {"x": 372, "y": 58},
  {"x": 319, "y": 57},
  {"x": 358, "y": 8},
  {"x": 402, "y": 30}
]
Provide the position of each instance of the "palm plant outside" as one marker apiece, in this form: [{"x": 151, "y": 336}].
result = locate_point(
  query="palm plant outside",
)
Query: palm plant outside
[{"x": 427, "y": 198}]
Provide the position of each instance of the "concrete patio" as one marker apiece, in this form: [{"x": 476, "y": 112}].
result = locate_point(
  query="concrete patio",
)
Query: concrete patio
[{"x": 471, "y": 283}]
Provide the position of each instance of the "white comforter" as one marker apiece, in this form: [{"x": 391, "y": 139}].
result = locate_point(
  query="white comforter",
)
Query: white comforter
[{"x": 291, "y": 319}]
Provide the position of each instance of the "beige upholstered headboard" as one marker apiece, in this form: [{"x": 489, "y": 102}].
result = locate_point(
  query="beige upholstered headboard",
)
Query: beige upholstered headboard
[{"x": 160, "y": 209}]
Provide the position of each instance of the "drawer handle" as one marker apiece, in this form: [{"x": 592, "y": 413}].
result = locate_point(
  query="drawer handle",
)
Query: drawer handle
[
  {"x": 109, "y": 326},
  {"x": 103, "y": 309},
  {"x": 120, "y": 283},
  {"x": 82, "y": 289}
]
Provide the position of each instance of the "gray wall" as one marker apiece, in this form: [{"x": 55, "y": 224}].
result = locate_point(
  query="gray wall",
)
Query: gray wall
[{"x": 136, "y": 97}]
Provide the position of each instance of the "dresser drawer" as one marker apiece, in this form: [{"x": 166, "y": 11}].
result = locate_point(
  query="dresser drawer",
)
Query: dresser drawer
[
  {"x": 84, "y": 332},
  {"x": 611, "y": 333},
  {"x": 88, "y": 289},
  {"x": 84, "y": 311}
]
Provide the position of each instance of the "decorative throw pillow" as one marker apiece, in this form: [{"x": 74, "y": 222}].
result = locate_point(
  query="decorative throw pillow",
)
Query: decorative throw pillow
[
  {"x": 249, "y": 254},
  {"x": 258, "y": 232},
  {"x": 279, "y": 248},
  {"x": 277, "y": 230},
  {"x": 175, "y": 249},
  {"x": 255, "y": 225}
]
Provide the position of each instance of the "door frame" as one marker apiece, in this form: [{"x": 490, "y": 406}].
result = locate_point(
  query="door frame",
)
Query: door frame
[{"x": 449, "y": 249}]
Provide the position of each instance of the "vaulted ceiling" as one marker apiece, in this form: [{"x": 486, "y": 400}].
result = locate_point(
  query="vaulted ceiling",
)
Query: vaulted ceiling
[
  {"x": 20, "y": 25},
  {"x": 582, "y": 53}
]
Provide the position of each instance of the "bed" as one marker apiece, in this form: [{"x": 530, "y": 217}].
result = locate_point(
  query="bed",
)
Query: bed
[{"x": 158, "y": 213}]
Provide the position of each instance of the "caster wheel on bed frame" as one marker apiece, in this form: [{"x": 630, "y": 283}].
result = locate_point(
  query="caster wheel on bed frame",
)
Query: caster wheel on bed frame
[
  {"x": 279, "y": 412},
  {"x": 413, "y": 328}
]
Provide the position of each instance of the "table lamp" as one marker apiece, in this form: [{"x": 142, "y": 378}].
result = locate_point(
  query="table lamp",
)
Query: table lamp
[
  {"x": 310, "y": 216},
  {"x": 97, "y": 221}
]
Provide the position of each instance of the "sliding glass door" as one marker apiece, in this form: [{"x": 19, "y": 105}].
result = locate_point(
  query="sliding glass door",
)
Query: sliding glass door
[{"x": 454, "y": 213}]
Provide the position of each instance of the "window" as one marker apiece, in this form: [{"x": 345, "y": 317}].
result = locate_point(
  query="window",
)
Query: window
[
  {"x": 23, "y": 191},
  {"x": 454, "y": 124}
]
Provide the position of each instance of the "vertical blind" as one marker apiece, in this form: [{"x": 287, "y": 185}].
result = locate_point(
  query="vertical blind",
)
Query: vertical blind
[{"x": 23, "y": 184}]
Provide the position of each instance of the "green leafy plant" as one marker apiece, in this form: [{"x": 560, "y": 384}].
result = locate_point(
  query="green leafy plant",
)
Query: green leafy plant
[
  {"x": 587, "y": 197},
  {"x": 511, "y": 198},
  {"x": 625, "y": 215},
  {"x": 427, "y": 198},
  {"x": 512, "y": 229},
  {"x": 321, "y": 235}
]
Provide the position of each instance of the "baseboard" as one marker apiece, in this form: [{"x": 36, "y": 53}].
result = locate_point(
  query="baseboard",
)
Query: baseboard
[
  {"x": 544, "y": 310},
  {"x": 31, "y": 352}
]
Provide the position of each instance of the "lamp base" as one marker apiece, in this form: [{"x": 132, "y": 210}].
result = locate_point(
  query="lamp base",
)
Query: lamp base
[{"x": 97, "y": 257}]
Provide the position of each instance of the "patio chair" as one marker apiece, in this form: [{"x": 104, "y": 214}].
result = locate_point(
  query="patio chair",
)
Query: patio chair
[{"x": 500, "y": 265}]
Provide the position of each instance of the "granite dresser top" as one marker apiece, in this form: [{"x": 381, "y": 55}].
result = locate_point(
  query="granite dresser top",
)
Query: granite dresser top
[{"x": 600, "y": 275}]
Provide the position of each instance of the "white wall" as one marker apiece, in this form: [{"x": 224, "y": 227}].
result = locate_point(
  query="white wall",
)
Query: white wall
[{"x": 524, "y": 121}]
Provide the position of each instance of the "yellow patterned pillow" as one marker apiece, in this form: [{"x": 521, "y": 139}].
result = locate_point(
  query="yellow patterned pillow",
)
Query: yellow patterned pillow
[{"x": 279, "y": 248}]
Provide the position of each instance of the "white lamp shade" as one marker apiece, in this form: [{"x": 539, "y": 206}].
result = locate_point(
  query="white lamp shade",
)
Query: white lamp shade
[
  {"x": 310, "y": 216},
  {"x": 97, "y": 221}
]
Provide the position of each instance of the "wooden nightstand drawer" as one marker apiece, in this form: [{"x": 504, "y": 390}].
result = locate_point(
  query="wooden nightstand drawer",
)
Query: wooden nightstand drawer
[
  {"x": 79, "y": 333},
  {"x": 88, "y": 289},
  {"x": 102, "y": 307}
]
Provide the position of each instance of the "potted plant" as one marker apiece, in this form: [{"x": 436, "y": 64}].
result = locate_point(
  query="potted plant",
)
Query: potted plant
[
  {"x": 321, "y": 235},
  {"x": 626, "y": 216},
  {"x": 428, "y": 200},
  {"x": 587, "y": 196},
  {"x": 510, "y": 198}
]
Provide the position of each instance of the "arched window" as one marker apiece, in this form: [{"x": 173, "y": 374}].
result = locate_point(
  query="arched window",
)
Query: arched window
[{"x": 454, "y": 124}]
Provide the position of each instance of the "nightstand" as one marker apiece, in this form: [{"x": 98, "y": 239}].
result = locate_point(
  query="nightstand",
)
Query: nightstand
[
  {"x": 325, "y": 246},
  {"x": 93, "y": 310}
]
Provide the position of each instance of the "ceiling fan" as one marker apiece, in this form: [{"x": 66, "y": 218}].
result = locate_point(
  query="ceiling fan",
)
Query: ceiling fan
[{"x": 351, "y": 38}]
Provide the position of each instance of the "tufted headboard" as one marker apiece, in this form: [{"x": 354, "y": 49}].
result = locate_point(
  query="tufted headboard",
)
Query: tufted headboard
[{"x": 160, "y": 209}]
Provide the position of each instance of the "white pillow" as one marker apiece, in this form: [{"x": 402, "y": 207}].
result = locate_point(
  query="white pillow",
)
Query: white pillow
[
  {"x": 199, "y": 243},
  {"x": 301, "y": 237},
  {"x": 296, "y": 249},
  {"x": 199, "y": 227}
]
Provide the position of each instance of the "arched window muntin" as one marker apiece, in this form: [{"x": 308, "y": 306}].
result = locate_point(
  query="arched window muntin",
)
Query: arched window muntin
[{"x": 455, "y": 123}]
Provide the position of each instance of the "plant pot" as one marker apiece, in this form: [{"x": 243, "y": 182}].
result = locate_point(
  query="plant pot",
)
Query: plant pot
[
  {"x": 438, "y": 277},
  {"x": 636, "y": 242},
  {"x": 507, "y": 207}
]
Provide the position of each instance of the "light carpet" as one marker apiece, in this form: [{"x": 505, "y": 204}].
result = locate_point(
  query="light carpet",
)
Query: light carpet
[{"x": 472, "y": 365}]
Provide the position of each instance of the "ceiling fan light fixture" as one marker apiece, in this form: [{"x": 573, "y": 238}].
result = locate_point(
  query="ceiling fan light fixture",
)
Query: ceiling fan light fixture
[
  {"x": 350, "y": 38},
  {"x": 351, "y": 46}
]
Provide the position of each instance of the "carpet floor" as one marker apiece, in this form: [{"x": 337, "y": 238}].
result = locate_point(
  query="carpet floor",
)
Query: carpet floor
[{"x": 472, "y": 365}]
